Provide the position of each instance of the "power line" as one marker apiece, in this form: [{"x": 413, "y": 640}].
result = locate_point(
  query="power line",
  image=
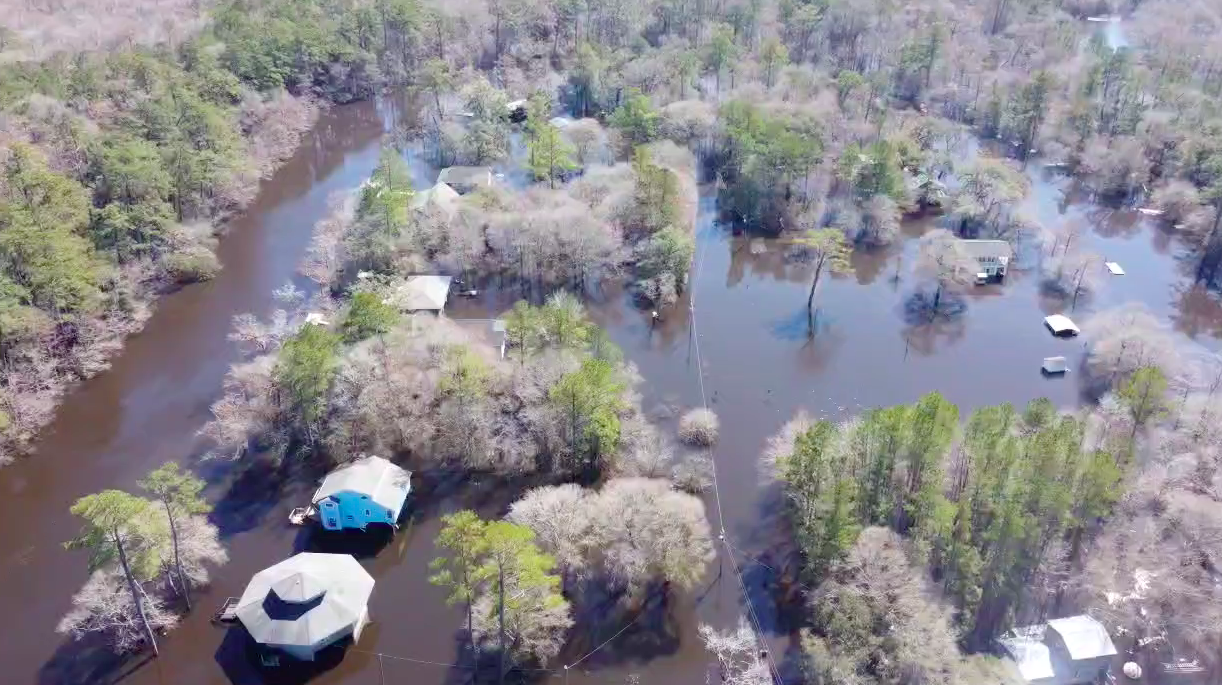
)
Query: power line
[
  {"x": 704, "y": 399},
  {"x": 759, "y": 633},
  {"x": 755, "y": 621}
]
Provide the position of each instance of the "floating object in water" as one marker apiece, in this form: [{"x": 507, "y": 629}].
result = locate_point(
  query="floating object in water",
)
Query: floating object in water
[
  {"x": 300, "y": 515},
  {"x": 1150, "y": 211},
  {"x": 362, "y": 275},
  {"x": 1114, "y": 268},
  {"x": 1131, "y": 670},
  {"x": 1061, "y": 325},
  {"x": 468, "y": 293},
  {"x": 1055, "y": 365},
  {"x": 316, "y": 319}
]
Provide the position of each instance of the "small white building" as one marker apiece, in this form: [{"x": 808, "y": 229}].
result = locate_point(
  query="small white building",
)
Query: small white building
[
  {"x": 1061, "y": 326},
  {"x": 993, "y": 256},
  {"x": 1064, "y": 651},
  {"x": 307, "y": 602},
  {"x": 368, "y": 490}
]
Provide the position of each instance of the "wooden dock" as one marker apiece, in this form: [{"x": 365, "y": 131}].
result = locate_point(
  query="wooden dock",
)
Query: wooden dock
[{"x": 228, "y": 613}]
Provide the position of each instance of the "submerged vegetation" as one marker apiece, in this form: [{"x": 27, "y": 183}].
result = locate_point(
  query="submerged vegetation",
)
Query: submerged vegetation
[{"x": 923, "y": 534}]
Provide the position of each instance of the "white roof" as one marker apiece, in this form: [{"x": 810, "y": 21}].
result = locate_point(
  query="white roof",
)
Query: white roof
[
  {"x": 468, "y": 175},
  {"x": 306, "y": 600},
  {"x": 1059, "y": 323},
  {"x": 1114, "y": 268},
  {"x": 1031, "y": 655},
  {"x": 440, "y": 195},
  {"x": 374, "y": 477},
  {"x": 1055, "y": 364},
  {"x": 422, "y": 293},
  {"x": 980, "y": 249},
  {"x": 1084, "y": 637}
]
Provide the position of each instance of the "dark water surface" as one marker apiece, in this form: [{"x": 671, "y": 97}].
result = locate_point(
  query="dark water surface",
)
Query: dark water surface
[{"x": 760, "y": 366}]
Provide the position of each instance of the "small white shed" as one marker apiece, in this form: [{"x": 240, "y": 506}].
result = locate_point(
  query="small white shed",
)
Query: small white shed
[
  {"x": 368, "y": 490},
  {"x": 1061, "y": 325}
]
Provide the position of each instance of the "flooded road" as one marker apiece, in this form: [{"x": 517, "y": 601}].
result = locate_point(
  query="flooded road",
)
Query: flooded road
[{"x": 760, "y": 366}]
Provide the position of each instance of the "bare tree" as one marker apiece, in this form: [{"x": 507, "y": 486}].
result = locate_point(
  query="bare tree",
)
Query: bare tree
[
  {"x": 104, "y": 605},
  {"x": 1073, "y": 275},
  {"x": 1126, "y": 338},
  {"x": 634, "y": 531},
  {"x": 945, "y": 262},
  {"x": 739, "y": 655},
  {"x": 698, "y": 427}
]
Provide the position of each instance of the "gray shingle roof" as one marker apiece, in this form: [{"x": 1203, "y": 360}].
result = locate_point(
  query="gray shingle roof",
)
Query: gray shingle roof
[
  {"x": 441, "y": 196},
  {"x": 422, "y": 293},
  {"x": 374, "y": 477},
  {"x": 306, "y": 600}
]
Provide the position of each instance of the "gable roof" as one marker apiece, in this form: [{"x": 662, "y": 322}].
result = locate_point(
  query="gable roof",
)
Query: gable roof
[
  {"x": 441, "y": 196},
  {"x": 466, "y": 175},
  {"x": 1030, "y": 654},
  {"x": 422, "y": 293},
  {"x": 305, "y": 600},
  {"x": 981, "y": 249},
  {"x": 1084, "y": 637},
  {"x": 374, "y": 477}
]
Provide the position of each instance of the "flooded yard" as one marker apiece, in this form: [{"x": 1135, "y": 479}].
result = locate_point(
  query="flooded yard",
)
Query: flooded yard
[{"x": 742, "y": 324}]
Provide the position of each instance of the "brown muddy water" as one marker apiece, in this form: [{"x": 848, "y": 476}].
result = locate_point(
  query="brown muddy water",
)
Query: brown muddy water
[{"x": 759, "y": 367}]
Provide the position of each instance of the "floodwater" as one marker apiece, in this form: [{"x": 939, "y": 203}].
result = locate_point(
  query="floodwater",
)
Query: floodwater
[{"x": 747, "y": 333}]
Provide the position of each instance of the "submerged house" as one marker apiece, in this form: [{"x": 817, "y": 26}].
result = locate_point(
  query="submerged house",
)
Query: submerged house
[
  {"x": 306, "y": 603},
  {"x": 368, "y": 490},
  {"x": 466, "y": 179},
  {"x": 993, "y": 256},
  {"x": 1064, "y": 651}
]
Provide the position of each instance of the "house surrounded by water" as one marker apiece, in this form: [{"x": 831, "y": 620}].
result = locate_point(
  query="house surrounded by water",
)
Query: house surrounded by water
[
  {"x": 993, "y": 256},
  {"x": 368, "y": 490},
  {"x": 306, "y": 603},
  {"x": 1063, "y": 651}
]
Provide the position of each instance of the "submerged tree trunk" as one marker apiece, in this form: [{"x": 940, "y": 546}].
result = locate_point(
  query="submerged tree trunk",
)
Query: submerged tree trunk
[
  {"x": 137, "y": 596},
  {"x": 501, "y": 613},
  {"x": 182, "y": 577}
]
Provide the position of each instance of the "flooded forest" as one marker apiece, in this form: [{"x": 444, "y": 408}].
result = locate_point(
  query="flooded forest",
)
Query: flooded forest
[{"x": 632, "y": 341}]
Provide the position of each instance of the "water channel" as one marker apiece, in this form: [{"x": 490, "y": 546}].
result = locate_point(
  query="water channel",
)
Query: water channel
[{"x": 759, "y": 367}]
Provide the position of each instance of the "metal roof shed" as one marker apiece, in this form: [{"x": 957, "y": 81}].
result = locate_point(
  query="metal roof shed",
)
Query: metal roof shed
[
  {"x": 1061, "y": 325},
  {"x": 1084, "y": 637},
  {"x": 307, "y": 602}
]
